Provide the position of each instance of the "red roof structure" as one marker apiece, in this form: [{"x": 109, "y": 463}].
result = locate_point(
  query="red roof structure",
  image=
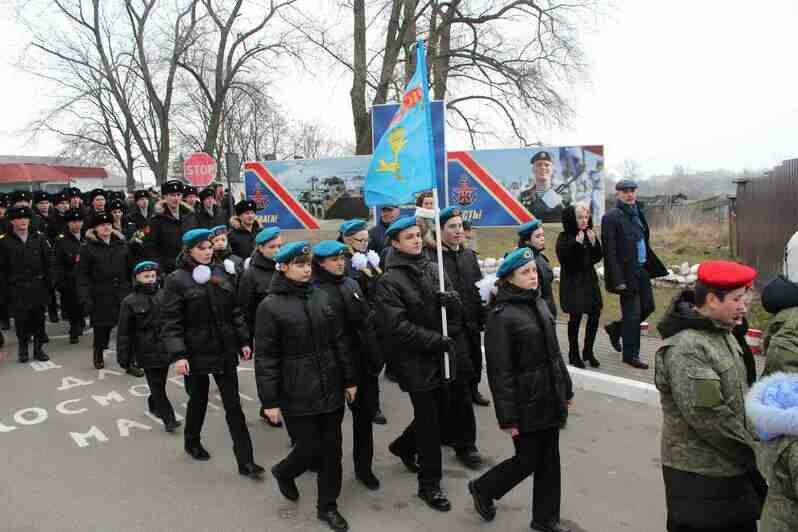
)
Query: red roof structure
[{"x": 37, "y": 173}]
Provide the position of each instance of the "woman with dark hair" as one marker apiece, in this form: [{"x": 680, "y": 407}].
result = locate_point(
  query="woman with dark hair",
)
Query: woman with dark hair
[
  {"x": 532, "y": 235},
  {"x": 204, "y": 332},
  {"x": 578, "y": 250},
  {"x": 531, "y": 393}
]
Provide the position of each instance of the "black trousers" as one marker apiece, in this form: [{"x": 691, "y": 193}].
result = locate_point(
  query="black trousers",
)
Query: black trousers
[
  {"x": 28, "y": 323},
  {"x": 158, "y": 402},
  {"x": 102, "y": 335},
  {"x": 197, "y": 388},
  {"x": 458, "y": 423},
  {"x": 423, "y": 437},
  {"x": 574, "y": 321},
  {"x": 474, "y": 339},
  {"x": 316, "y": 437},
  {"x": 748, "y": 526},
  {"x": 536, "y": 453},
  {"x": 636, "y": 307},
  {"x": 363, "y": 410}
]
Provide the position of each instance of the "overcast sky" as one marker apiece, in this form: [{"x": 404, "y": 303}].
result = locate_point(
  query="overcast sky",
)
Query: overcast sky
[{"x": 706, "y": 84}]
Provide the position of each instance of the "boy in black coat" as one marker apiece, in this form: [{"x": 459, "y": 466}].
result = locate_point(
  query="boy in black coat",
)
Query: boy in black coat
[{"x": 138, "y": 340}]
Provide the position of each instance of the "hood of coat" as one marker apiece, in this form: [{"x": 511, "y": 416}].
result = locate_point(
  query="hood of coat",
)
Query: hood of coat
[
  {"x": 569, "y": 224},
  {"x": 682, "y": 315},
  {"x": 284, "y": 286},
  {"x": 91, "y": 236},
  {"x": 772, "y": 406},
  {"x": 322, "y": 276},
  {"x": 509, "y": 293},
  {"x": 399, "y": 259},
  {"x": 779, "y": 294},
  {"x": 262, "y": 263}
]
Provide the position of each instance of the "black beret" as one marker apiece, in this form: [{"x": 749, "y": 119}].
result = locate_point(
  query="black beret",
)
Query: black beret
[
  {"x": 19, "y": 195},
  {"x": 61, "y": 197},
  {"x": 74, "y": 192},
  {"x": 20, "y": 212},
  {"x": 189, "y": 190},
  {"x": 173, "y": 186},
  {"x": 542, "y": 155},
  {"x": 116, "y": 204},
  {"x": 99, "y": 218},
  {"x": 208, "y": 192},
  {"x": 97, "y": 192},
  {"x": 40, "y": 195},
  {"x": 139, "y": 194},
  {"x": 73, "y": 215},
  {"x": 244, "y": 206}
]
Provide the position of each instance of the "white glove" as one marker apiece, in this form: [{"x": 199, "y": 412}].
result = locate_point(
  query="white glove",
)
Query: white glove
[
  {"x": 201, "y": 274},
  {"x": 487, "y": 286},
  {"x": 246, "y": 262},
  {"x": 374, "y": 258},
  {"x": 359, "y": 261},
  {"x": 229, "y": 267}
]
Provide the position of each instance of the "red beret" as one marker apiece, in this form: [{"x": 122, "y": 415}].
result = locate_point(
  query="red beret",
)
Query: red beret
[{"x": 726, "y": 274}]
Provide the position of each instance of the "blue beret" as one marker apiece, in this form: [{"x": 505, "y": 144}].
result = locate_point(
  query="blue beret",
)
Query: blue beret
[
  {"x": 270, "y": 233},
  {"x": 626, "y": 183},
  {"x": 350, "y": 227},
  {"x": 450, "y": 212},
  {"x": 145, "y": 266},
  {"x": 400, "y": 225},
  {"x": 329, "y": 248},
  {"x": 292, "y": 250},
  {"x": 218, "y": 230},
  {"x": 195, "y": 236},
  {"x": 514, "y": 260},
  {"x": 529, "y": 228}
]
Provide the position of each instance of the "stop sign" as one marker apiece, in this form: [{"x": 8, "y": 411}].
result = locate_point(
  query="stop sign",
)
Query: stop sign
[{"x": 199, "y": 169}]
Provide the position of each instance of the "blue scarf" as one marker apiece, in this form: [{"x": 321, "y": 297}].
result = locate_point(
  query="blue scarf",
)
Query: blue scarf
[{"x": 634, "y": 212}]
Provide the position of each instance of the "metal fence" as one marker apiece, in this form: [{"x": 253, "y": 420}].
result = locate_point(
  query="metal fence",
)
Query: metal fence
[{"x": 766, "y": 216}]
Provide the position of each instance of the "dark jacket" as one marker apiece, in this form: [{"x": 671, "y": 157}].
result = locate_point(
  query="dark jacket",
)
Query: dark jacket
[
  {"x": 462, "y": 268},
  {"x": 226, "y": 256},
  {"x": 137, "y": 218},
  {"x": 210, "y": 220},
  {"x": 67, "y": 258},
  {"x": 620, "y": 234},
  {"x": 301, "y": 363},
  {"x": 164, "y": 235},
  {"x": 580, "y": 292},
  {"x": 104, "y": 273},
  {"x": 780, "y": 338},
  {"x": 409, "y": 321},
  {"x": 545, "y": 279},
  {"x": 139, "y": 336},
  {"x": 253, "y": 286},
  {"x": 26, "y": 271},
  {"x": 377, "y": 238},
  {"x": 56, "y": 225},
  {"x": 201, "y": 322},
  {"x": 242, "y": 242},
  {"x": 530, "y": 384},
  {"x": 367, "y": 281}
]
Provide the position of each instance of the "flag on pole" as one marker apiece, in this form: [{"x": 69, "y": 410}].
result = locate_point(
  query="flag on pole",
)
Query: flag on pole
[{"x": 403, "y": 162}]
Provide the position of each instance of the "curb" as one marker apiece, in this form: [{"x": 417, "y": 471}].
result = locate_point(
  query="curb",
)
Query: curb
[{"x": 622, "y": 388}]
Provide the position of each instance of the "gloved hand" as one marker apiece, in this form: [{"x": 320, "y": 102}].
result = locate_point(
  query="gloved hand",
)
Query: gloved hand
[
  {"x": 448, "y": 345},
  {"x": 450, "y": 299}
]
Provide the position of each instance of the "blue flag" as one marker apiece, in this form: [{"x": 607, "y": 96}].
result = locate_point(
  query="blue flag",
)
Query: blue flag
[{"x": 403, "y": 162}]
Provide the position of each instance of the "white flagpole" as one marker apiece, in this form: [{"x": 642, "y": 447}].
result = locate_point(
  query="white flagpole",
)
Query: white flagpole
[{"x": 447, "y": 373}]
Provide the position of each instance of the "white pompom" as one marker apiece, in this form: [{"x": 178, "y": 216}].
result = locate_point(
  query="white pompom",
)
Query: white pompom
[
  {"x": 374, "y": 258},
  {"x": 359, "y": 261},
  {"x": 201, "y": 274},
  {"x": 487, "y": 286},
  {"x": 229, "y": 267},
  {"x": 246, "y": 262}
]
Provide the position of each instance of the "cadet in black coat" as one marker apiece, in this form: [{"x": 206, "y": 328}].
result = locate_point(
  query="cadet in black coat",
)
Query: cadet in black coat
[
  {"x": 4, "y": 227},
  {"x": 304, "y": 373},
  {"x": 532, "y": 391},
  {"x": 388, "y": 214},
  {"x": 166, "y": 228},
  {"x": 222, "y": 254},
  {"x": 209, "y": 215},
  {"x": 67, "y": 257},
  {"x": 408, "y": 314},
  {"x": 204, "y": 334},
  {"x": 579, "y": 250},
  {"x": 257, "y": 276},
  {"x": 140, "y": 213},
  {"x": 26, "y": 278},
  {"x": 139, "y": 340},
  {"x": 356, "y": 319},
  {"x": 104, "y": 273},
  {"x": 243, "y": 229},
  {"x": 532, "y": 236}
]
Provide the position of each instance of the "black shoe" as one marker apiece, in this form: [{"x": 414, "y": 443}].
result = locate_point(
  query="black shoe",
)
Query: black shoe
[
  {"x": 315, "y": 466},
  {"x": 74, "y": 339},
  {"x": 171, "y": 426},
  {"x": 22, "y": 352},
  {"x": 477, "y": 398},
  {"x": 287, "y": 486},
  {"x": 5, "y": 325},
  {"x": 334, "y": 520},
  {"x": 576, "y": 362},
  {"x": 53, "y": 315},
  {"x": 435, "y": 499},
  {"x": 135, "y": 371},
  {"x": 99, "y": 362},
  {"x": 482, "y": 504},
  {"x": 553, "y": 526},
  {"x": 635, "y": 363},
  {"x": 39, "y": 354},
  {"x": 379, "y": 418},
  {"x": 469, "y": 458},
  {"x": 265, "y": 418},
  {"x": 613, "y": 330},
  {"x": 251, "y": 470},
  {"x": 409, "y": 461},
  {"x": 368, "y": 479},
  {"x": 591, "y": 359},
  {"x": 197, "y": 452},
  {"x": 390, "y": 376}
]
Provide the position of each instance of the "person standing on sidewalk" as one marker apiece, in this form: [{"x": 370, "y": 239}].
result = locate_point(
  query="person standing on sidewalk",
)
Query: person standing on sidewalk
[
  {"x": 629, "y": 266},
  {"x": 708, "y": 462},
  {"x": 532, "y": 235}
]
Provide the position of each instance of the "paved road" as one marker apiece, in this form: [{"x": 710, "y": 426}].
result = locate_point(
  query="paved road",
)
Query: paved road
[{"x": 79, "y": 453}]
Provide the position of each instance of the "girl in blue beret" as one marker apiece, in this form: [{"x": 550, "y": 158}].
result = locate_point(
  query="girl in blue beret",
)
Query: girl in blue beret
[{"x": 532, "y": 235}]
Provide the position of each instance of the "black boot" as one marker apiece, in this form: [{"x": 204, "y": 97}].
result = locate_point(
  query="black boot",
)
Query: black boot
[
  {"x": 574, "y": 360},
  {"x": 333, "y": 519},
  {"x": 38, "y": 352},
  {"x": 379, "y": 418},
  {"x": 5, "y": 325},
  {"x": 614, "y": 331},
  {"x": 197, "y": 451},
  {"x": 134, "y": 371},
  {"x": 99, "y": 362},
  {"x": 477, "y": 398},
  {"x": 53, "y": 315},
  {"x": 22, "y": 351},
  {"x": 590, "y": 358},
  {"x": 74, "y": 332}
]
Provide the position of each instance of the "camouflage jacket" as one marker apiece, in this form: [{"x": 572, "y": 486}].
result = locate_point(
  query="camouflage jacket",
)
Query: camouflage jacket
[
  {"x": 701, "y": 377},
  {"x": 780, "y": 341}
]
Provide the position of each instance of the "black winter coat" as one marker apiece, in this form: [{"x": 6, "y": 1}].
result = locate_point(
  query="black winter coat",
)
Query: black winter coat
[
  {"x": 139, "y": 336},
  {"x": 530, "y": 384},
  {"x": 377, "y": 238},
  {"x": 545, "y": 279},
  {"x": 580, "y": 292},
  {"x": 253, "y": 286},
  {"x": 201, "y": 322},
  {"x": 242, "y": 242},
  {"x": 104, "y": 279},
  {"x": 366, "y": 281},
  {"x": 26, "y": 271},
  {"x": 164, "y": 235},
  {"x": 56, "y": 225},
  {"x": 67, "y": 258},
  {"x": 138, "y": 219},
  {"x": 462, "y": 269},
  {"x": 620, "y": 234},
  {"x": 301, "y": 362},
  {"x": 409, "y": 321},
  {"x": 210, "y": 220}
]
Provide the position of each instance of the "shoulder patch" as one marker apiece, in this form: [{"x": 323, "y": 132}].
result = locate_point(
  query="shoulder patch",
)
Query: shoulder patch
[
  {"x": 498, "y": 308},
  {"x": 61, "y": 236},
  {"x": 2, "y": 236}
]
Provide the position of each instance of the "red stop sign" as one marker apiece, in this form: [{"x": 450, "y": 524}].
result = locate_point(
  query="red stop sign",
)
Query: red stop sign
[{"x": 199, "y": 169}]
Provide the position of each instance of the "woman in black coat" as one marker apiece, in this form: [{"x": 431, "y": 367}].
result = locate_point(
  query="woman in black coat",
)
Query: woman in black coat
[
  {"x": 304, "y": 373},
  {"x": 531, "y": 393},
  {"x": 578, "y": 250},
  {"x": 104, "y": 273},
  {"x": 531, "y": 235},
  {"x": 204, "y": 333}
]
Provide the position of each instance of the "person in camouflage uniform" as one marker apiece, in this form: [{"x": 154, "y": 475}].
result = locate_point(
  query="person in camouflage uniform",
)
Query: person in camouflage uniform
[
  {"x": 780, "y": 338},
  {"x": 708, "y": 459}
]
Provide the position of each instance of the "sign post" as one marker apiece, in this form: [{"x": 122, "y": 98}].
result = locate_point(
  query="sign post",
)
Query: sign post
[{"x": 199, "y": 169}]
